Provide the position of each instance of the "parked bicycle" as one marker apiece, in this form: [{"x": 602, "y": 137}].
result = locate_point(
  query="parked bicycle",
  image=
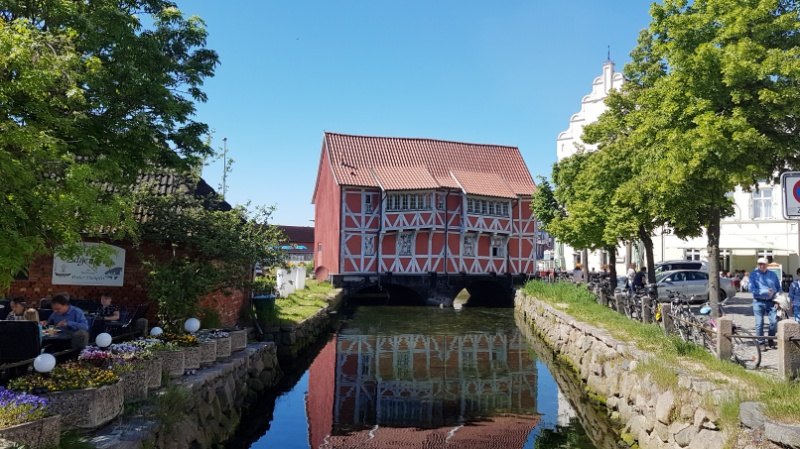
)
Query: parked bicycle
[{"x": 745, "y": 350}]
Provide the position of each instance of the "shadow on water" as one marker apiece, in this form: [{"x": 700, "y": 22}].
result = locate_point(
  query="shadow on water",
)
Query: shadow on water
[
  {"x": 591, "y": 417},
  {"x": 258, "y": 419}
]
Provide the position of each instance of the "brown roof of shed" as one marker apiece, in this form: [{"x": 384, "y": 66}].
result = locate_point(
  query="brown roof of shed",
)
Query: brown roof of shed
[
  {"x": 366, "y": 161},
  {"x": 298, "y": 234}
]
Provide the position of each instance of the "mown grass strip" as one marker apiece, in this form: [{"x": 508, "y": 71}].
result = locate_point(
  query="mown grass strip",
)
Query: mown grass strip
[
  {"x": 298, "y": 306},
  {"x": 781, "y": 398}
]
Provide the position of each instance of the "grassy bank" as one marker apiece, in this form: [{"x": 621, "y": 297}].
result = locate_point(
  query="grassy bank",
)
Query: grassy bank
[
  {"x": 781, "y": 398},
  {"x": 298, "y": 306}
]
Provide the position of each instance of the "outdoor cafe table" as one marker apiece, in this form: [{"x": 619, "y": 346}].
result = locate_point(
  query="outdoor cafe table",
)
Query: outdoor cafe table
[{"x": 56, "y": 342}]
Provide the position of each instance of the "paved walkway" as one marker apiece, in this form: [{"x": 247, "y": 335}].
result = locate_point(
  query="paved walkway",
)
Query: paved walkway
[{"x": 740, "y": 308}]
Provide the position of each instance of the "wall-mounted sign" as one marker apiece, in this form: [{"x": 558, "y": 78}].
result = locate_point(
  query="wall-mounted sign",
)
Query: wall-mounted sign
[{"x": 80, "y": 271}]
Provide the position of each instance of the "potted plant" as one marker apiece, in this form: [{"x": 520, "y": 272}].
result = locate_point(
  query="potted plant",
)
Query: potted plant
[
  {"x": 85, "y": 396},
  {"x": 190, "y": 345},
  {"x": 25, "y": 419},
  {"x": 133, "y": 364},
  {"x": 223, "y": 340},
  {"x": 154, "y": 363},
  {"x": 208, "y": 350}
]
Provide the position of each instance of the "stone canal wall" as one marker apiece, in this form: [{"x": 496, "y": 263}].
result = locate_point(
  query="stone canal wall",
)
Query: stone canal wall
[
  {"x": 292, "y": 340},
  {"x": 676, "y": 413},
  {"x": 202, "y": 410}
]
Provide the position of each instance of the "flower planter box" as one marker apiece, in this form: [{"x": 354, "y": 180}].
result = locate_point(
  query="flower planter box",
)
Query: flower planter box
[
  {"x": 154, "y": 370},
  {"x": 89, "y": 408},
  {"x": 238, "y": 340},
  {"x": 173, "y": 362},
  {"x": 43, "y": 433},
  {"x": 208, "y": 352},
  {"x": 223, "y": 347},
  {"x": 136, "y": 382},
  {"x": 192, "y": 357}
]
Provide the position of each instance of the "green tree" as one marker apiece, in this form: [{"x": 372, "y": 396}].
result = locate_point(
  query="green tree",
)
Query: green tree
[
  {"x": 625, "y": 152},
  {"x": 211, "y": 248},
  {"x": 91, "y": 93},
  {"x": 725, "y": 114}
]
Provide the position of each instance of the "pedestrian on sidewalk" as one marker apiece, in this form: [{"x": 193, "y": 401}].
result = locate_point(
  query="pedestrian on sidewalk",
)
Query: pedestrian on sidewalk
[
  {"x": 765, "y": 285},
  {"x": 794, "y": 295}
]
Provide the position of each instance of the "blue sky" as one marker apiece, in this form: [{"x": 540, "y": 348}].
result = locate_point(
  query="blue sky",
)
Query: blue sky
[{"x": 509, "y": 72}]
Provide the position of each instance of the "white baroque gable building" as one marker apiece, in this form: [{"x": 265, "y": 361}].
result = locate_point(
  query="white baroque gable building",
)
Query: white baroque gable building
[{"x": 756, "y": 229}]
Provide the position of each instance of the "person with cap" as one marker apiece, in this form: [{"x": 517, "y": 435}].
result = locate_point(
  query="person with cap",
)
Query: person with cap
[{"x": 765, "y": 285}]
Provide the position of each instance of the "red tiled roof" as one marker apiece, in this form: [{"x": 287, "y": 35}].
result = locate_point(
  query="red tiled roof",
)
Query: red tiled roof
[
  {"x": 364, "y": 160},
  {"x": 405, "y": 178},
  {"x": 487, "y": 184}
]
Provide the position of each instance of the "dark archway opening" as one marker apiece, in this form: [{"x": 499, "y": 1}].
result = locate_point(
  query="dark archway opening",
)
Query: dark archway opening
[
  {"x": 385, "y": 295},
  {"x": 489, "y": 294}
]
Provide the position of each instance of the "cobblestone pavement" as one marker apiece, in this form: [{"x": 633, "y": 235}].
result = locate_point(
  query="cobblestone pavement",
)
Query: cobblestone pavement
[{"x": 740, "y": 308}]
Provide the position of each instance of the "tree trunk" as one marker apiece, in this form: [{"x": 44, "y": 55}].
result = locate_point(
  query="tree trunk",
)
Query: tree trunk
[
  {"x": 650, "y": 260},
  {"x": 585, "y": 258},
  {"x": 612, "y": 265},
  {"x": 713, "y": 232},
  {"x": 628, "y": 255}
]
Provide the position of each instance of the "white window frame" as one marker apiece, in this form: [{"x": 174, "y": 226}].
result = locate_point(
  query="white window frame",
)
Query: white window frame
[
  {"x": 402, "y": 249},
  {"x": 468, "y": 245},
  {"x": 408, "y": 201},
  {"x": 692, "y": 254},
  {"x": 500, "y": 244},
  {"x": 762, "y": 203}
]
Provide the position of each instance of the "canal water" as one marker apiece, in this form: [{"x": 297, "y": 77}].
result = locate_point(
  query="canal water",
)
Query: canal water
[{"x": 419, "y": 377}]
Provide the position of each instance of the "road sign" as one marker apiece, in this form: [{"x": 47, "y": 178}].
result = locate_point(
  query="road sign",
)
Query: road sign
[{"x": 790, "y": 184}]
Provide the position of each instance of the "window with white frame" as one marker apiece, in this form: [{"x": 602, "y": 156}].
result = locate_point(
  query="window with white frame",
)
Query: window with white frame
[
  {"x": 691, "y": 254},
  {"x": 499, "y": 246},
  {"x": 396, "y": 202},
  {"x": 468, "y": 246},
  {"x": 762, "y": 203},
  {"x": 367, "y": 202},
  {"x": 765, "y": 253},
  {"x": 405, "y": 244},
  {"x": 487, "y": 207}
]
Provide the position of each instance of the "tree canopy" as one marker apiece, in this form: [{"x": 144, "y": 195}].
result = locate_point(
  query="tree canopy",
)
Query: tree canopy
[
  {"x": 91, "y": 94},
  {"x": 711, "y": 102}
]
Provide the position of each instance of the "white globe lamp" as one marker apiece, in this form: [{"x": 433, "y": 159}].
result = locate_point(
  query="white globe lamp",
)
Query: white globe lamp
[
  {"x": 44, "y": 363},
  {"x": 103, "y": 340},
  {"x": 156, "y": 331},
  {"x": 192, "y": 325}
]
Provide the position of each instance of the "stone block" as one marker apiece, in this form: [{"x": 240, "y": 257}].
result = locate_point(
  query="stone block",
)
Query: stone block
[
  {"x": 787, "y": 435},
  {"x": 223, "y": 347},
  {"x": 685, "y": 436},
  {"x": 664, "y": 406},
  {"x": 43, "y": 433},
  {"x": 751, "y": 415},
  {"x": 788, "y": 351},
  {"x": 88, "y": 408},
  {"x": 708, "y": 439}
]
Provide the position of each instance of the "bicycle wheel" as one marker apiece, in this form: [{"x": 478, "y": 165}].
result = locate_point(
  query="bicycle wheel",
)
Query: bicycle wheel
[{"x": 746, "y": 351}]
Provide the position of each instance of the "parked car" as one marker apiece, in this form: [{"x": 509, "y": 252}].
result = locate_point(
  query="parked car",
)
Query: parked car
[
  {"x": 691, "y": 283},
  {"x": 672, "y": 265}
]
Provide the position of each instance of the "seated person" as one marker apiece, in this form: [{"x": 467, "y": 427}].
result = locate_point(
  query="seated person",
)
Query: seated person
[
  {"x": 33, "y": 315},
  {"x": 17, "y": 309},
  {"x": 66, "y": 316},
  {"x": 108, "y": 311}
]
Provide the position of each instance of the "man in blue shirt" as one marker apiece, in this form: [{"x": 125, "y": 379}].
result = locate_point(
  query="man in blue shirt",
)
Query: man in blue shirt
[
  {"x": 66, "y": 316},
  {"x": 765, "y": 285}
]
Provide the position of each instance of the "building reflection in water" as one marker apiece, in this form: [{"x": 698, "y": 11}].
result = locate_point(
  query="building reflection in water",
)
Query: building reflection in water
[{"x": 383, "y": 390}]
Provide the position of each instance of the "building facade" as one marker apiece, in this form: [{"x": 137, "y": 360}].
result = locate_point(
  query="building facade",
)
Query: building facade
[
  {"x": 419, "y": 206},
  {"x": 568, "y": 143},
  {"x": 299, "y": 244}
]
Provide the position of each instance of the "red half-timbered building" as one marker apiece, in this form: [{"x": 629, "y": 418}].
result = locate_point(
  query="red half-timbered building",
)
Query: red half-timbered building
[{"x": 421, "y": 206}]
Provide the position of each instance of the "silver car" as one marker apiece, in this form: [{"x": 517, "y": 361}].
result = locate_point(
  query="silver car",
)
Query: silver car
[{"x": 691, "y": 283}]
